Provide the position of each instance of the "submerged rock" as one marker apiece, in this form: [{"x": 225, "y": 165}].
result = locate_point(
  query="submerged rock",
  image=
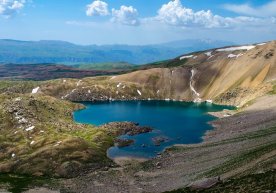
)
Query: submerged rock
[
  {"x": 159, "y": 139},
  {"x": 123, "y": 142}
]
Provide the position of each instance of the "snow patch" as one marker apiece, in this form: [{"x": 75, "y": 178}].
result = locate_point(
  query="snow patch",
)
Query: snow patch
[
  {"x": 32, "y": 142},
  {"x": 234, "y": 55},
  {"x": 22, "y": 120},
  {"x": 35, "y": 90},
  {"x": 208, "y": 54},
  {"x": 184, "y": 57},
  {"x": 210, "y": 57},
  {"x": 167, "y": 99},
  {"x": 139, "y": 92},
  {"x": 13, "y": 155},
  {"x": 58, "y": 143},
  {"x": 158, "y": 92},
  {"x": 113, "y": 77},
  {"x": 198, "y": 99},
  {"x": 209, "y": 101},
  {"x": 236, "y": 48},
  {"x": 261, "y": 44},
  {"x": 30, "y": 128},
  {"x": 118, "y": 85},
  {"x": 17, "y": 99},
  {"x": 79, "y": 82}
]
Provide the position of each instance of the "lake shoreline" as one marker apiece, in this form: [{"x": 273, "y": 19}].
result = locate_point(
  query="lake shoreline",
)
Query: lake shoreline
[
  {"x": 192, "y": 161},
  {"x": 181, "y": 123}
]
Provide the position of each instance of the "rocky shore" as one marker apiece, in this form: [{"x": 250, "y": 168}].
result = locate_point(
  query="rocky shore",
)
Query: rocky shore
[
  {"x": 127, "y": 128},
  {"x": 236, "y": 139}
]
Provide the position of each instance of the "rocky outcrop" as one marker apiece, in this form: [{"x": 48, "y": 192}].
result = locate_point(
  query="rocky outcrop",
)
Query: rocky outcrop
[
  {"x": 123, "y": 142},
  {"x": 159, "y": 140},
  {"x": 126, "y": 128}
]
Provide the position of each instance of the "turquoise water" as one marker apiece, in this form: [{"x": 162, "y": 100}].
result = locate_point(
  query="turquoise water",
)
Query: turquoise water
[{"x": 178, "y": 122}]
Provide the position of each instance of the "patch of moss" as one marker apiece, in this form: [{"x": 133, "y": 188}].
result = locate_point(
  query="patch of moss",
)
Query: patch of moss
[{"x": 273, "y": 91}]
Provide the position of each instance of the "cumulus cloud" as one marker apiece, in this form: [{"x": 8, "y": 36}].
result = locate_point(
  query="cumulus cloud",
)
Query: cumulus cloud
[
  {"x": 266, "y": 10},
  {"x": 97, "y": 8},
  {"x": 125, "y": 15},
  {"x": 174, "y": 13},
  {"x": 10, "y": 7}
]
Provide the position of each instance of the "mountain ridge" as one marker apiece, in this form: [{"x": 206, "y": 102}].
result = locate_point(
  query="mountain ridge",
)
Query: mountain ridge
[{"x": 52, "y": 51}]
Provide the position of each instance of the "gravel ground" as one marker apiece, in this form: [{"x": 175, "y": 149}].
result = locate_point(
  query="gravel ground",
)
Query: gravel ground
[{"x": 183, "y": 164}]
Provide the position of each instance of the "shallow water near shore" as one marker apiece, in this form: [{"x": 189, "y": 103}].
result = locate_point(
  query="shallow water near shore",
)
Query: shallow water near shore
[{"x": 173, "y": 123}]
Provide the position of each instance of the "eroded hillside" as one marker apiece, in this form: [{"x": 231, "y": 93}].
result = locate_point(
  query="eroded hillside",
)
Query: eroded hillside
[
  {"x": 39, "y": 136},
  {"x": 232, "y": 75}
]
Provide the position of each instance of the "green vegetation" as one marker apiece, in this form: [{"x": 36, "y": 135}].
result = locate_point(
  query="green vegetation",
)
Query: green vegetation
[
  {"x": 164, "y": 64},
  {"x": 18, "y": 86},
  {"x": 242, "y": 159},
  {"x": 263, "y": 182},
  {"x": 106, "y": 66},
  {"x": 273, "y": 91},
  {"x": 55, "y": 146},
  {"x": 17, "y": 184}
]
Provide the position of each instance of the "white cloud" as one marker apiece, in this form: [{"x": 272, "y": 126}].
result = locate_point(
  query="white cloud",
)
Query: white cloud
[
  {"x": 125, "y": 15},
  {"x": 97, "y": 8},
  {"x": 10, "y": 7},
  {"x": 266, "y": 10},
  {"x": 174, "y": 13}
]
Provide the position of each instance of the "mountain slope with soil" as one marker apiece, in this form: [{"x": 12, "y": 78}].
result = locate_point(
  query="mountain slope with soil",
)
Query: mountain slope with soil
[
  {"x": 38, "y": 132},
  {"x": 233, "y": 76}
]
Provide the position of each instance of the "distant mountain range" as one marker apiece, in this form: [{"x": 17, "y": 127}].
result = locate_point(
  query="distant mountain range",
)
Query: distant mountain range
[{"x": 31, "y": 52}]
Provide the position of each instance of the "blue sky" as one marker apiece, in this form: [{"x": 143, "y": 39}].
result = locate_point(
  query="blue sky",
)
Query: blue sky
[{"x": 138, "y": 21}]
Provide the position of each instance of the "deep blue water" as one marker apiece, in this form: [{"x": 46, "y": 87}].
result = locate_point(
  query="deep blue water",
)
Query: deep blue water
[{"x": 179, "y": 122}]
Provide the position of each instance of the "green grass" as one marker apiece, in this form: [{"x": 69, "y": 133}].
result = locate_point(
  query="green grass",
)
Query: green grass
[
  {"x": 106, "y": 66},
  {"x": 247, "y": 184},
  {"x": 273, "y": 91},
  {"x": 19, "y": 183},
  {"x": 241, "y": 159},
  {"x": 79, "y": 143},
  {"x": 164, "y": 64}
]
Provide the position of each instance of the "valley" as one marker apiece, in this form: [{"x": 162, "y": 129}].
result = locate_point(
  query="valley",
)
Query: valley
[{"x": 37, "y": 127}]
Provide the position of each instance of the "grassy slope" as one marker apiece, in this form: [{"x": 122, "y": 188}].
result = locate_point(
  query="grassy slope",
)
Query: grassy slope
[
  {"x": 60, "y": 147},
  {"x": 105, "y": 66},
  {"x": 262, "y": 182}
]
